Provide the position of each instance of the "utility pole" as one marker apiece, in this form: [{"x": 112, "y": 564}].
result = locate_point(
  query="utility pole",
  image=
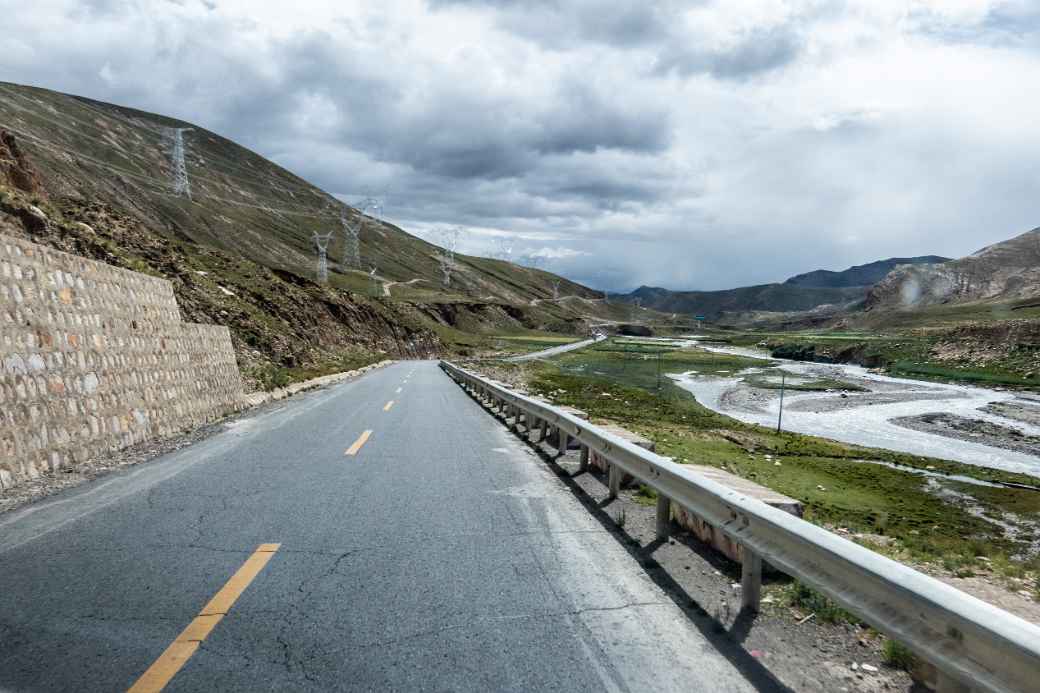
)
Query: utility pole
[
  {"x": 780, "y": 416},
  {"x": 179, "y": 171},
  {"x": 556, "y": 290}
]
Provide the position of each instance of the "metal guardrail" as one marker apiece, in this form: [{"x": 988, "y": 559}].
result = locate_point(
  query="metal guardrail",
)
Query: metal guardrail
[{"x": 973, "y": 645}]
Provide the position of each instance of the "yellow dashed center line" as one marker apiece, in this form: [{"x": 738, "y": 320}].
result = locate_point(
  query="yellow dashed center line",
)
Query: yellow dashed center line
[
  {"x": 388, "y": 405},
  {"x": 180, "y": 650},
  {"x": 353, "y": 449}
]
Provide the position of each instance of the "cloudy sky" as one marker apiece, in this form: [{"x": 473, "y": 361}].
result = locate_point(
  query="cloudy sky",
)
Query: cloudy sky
[{"x": 701, "y": 144}]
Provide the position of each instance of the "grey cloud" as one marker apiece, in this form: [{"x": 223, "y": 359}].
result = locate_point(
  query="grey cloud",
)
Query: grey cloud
[
  {"x": 653, "y": 26},
  {"x": 756, "y": 53},
  {"x": 558, "y": 24}
]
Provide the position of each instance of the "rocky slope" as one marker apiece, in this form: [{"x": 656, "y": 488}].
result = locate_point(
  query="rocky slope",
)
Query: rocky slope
[{"x": 1005, "y": 271}]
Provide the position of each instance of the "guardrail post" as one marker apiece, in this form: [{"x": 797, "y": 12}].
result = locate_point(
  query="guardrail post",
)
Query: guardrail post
[
  {"x": 613, "y": 480},
  {"x": 562, "y": 439},
  {"x": 583, "y": 465},
  {"x": 664, "y": 516},
  {"x": 750, "y": 580},
  {"x": 545, "y": 431}
]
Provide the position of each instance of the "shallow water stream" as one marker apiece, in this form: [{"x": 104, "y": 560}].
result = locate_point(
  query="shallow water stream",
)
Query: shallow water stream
[{"x": 866, "y": 418}]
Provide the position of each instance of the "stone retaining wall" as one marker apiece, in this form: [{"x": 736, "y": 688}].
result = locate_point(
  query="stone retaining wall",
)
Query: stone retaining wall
[{"x": 95, "y": 358}]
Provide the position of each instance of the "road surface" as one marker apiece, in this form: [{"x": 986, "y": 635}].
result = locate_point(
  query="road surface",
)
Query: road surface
[
  {"x": 555, "y": 351},
  {"x": 295, "y": 551}
]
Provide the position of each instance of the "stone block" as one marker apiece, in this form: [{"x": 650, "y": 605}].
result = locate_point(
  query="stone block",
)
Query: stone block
[{"x": 94, "y": 357}]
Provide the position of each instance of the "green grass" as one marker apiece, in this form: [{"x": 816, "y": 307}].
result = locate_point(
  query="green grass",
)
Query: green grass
[
  {"x": 647, "y": 367},
  {"x": 646, "y": 495},
  {"x": 945, "y": 373},
  {"x": 897, "y": 655},
  {"x": 810, "y": 601},
  {"x": 908, "y": 354}
]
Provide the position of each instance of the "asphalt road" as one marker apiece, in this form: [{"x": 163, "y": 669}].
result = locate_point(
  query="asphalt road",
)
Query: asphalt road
[
  {"x": 555, "y": 351},
  {"x": 443, "y": 555}
]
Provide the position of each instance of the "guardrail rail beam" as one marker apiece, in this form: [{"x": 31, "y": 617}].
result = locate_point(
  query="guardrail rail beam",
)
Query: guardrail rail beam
[{"x": 971, "y": 643}]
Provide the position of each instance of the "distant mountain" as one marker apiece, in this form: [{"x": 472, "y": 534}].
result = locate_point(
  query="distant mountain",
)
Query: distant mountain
[
  {"x": 1003, "y": 271},
  {"x": 765, "y": 297},
  {"x": 860, "y": 275},
  {"x": 805, "y": 292}
]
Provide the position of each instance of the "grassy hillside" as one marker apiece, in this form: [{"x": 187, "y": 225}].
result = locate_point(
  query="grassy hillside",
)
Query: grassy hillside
[
  {"x": 96, "y": 179},
  {"x": 240, "y": 202}
]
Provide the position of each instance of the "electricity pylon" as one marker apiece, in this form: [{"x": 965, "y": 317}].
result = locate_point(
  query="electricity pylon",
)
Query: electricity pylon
[
  {"x": 321, "y": 245},
  {"x": 179, "y": 171},
  {"x": 446, "y": 257},
  {"x": 369, "y": 207}
]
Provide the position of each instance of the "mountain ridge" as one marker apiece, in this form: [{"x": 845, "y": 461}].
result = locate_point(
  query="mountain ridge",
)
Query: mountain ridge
[
  {"x": 801, "y": 293},
  {"x": 1004, "y": 271},
  {"x": 860, "y": 275}
]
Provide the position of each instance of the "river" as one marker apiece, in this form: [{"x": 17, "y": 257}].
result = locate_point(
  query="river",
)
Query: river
[{"x": 881, "y": 415}]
